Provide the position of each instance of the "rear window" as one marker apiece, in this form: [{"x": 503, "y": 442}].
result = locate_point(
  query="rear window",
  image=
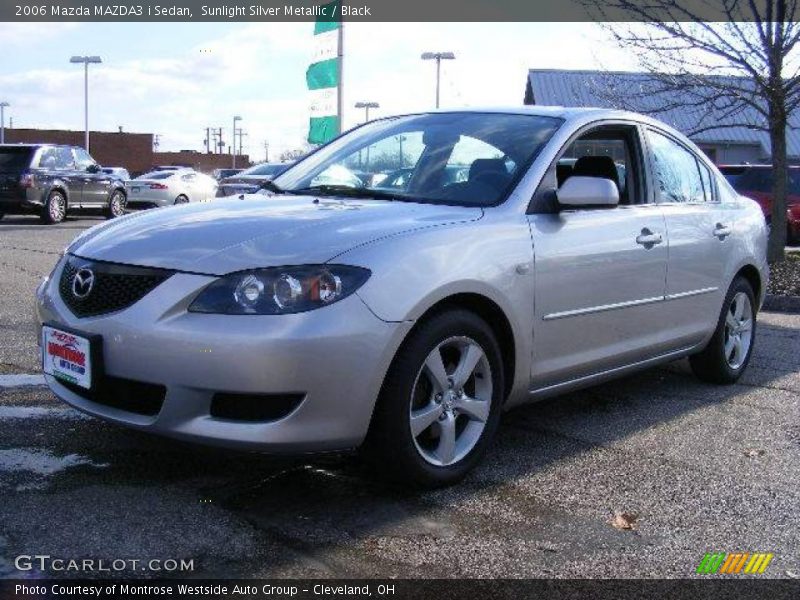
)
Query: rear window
[
  {"x": 157, "y": 175},
  {"x": 15, "y": 159}
]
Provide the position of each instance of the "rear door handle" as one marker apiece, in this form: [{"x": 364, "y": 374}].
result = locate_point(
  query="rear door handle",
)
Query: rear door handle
[
  {"x": 722, "y": 231},
  {"x": 648, "y": 239}
]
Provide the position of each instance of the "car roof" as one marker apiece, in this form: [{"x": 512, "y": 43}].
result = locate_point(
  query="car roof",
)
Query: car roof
[{"x": 37, "y": 146}]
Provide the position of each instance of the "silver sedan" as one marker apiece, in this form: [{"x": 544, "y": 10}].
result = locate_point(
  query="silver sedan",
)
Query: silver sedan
[
  {"x": 324, "y": 314},
  {"x": 168, "y": 187}
]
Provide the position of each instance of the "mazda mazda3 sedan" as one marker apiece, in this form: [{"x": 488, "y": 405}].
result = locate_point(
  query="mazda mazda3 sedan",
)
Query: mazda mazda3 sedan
[{"x": 322, "y": 314}]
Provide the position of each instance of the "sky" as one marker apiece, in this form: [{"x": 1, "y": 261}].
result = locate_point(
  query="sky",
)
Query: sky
[{"x": 176, "y": 79}]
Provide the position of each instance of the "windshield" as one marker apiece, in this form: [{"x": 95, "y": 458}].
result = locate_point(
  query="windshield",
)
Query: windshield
[{"x": 467, "y": 159}]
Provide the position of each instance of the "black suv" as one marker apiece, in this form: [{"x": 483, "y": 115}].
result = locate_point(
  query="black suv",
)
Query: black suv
[{"x": 49, "y": 180}]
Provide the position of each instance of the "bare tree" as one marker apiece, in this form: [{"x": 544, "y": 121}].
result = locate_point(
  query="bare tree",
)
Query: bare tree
[{"x": 741, "y": 70}]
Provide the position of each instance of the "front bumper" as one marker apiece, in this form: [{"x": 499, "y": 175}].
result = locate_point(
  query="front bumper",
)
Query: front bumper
[{"x": 336, "y": 357}]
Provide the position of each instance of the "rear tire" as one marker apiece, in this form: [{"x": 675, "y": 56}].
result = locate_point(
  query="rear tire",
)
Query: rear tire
[
  {"x": 728, "y": 352},
  {"x": 440, "y": 403},
  {"x": 116, "y": 205},
  {"x": 55, "y": 208},
  {"x": 182, "y": 199}
]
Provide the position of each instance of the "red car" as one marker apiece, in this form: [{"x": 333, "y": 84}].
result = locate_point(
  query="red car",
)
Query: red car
[{"x": 755, "y": 181}]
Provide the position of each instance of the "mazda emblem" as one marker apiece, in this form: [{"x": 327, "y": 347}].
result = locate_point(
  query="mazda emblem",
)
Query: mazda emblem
[{"x": 82, "y": 283}]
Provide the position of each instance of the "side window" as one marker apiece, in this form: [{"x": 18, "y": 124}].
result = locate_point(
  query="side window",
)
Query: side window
[
  {"x": 705, "y": 176},
  {"x": 605, "y": 153},
  {"x": 189, "y": 178},
  {"x": 677, "y": 171},
  {"x": 82, "y": 159},
  {"x": 55, "y": 158}
]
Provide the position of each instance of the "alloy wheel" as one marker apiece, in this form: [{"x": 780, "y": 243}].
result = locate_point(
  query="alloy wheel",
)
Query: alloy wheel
[
  {"x": 57, "y": 208},
  {"x": 451, "y": 401},
  {"x": 117, "y": 206},
  {"x": 738, "y": 330}
]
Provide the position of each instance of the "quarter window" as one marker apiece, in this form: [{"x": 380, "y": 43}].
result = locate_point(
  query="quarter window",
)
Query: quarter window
[
  {"x": 677, "y": 171},
  {"x": 705, "y": 175}
]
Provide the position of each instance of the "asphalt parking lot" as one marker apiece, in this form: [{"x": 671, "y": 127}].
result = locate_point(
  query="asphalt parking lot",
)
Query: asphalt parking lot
[{"x": 690, "y": 467}]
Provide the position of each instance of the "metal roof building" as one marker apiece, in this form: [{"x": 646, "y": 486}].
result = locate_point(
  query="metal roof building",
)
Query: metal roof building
[{"x": 632, "y": 91}]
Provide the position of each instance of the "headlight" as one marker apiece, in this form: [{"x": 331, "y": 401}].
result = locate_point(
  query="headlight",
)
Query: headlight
[{"x": 279, "y": 291}]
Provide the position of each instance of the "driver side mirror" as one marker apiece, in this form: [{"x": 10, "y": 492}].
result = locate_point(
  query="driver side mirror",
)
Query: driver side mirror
[
  {"x": 586, "y": 192},
  {"x": 93, "y": 169}
]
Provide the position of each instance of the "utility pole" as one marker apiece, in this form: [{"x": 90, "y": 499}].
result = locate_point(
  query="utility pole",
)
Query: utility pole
[
  {"x": 207, "y": 141},
  {"x": 266, "y": 151},
  {"x": 438, "y": 57},
  {"x": 156, "y": 141}
]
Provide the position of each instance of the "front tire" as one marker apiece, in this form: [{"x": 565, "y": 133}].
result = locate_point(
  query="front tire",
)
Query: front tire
[
  {"x": 116, "y": 205},
  {"x": 55, "y": 208},
  {"x": 440, "y": 403},
  {"x": 182, "y": 199},
  {"x": 728, "y": 352}
]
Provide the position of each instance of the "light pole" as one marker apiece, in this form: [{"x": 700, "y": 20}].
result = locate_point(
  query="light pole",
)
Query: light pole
[
  {"x": 3, "y": 122},
  {"x": 86, "y": 60},
  {"x": 366, "y": 106},
  {"x": 233, "y": 146},
  {"x": 438, "y": 57}
]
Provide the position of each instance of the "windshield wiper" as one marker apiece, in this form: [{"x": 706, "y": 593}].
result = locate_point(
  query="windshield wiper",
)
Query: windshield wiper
[
  {"x": 273, "y": 187},
  {"x": 346, "y": 190}
]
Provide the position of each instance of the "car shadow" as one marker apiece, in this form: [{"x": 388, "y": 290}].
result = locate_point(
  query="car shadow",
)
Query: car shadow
[{"x": 315, "y": 504}]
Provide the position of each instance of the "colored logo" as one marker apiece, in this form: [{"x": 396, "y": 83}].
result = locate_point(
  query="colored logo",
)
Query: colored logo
[{"x": 734, "y": 563}]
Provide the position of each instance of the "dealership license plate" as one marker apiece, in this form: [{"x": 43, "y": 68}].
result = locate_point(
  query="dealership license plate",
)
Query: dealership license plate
[{"x": 67, "y": 356}]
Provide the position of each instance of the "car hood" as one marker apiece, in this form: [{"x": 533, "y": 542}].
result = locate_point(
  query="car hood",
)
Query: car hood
[{"x": 258, "y": 231}]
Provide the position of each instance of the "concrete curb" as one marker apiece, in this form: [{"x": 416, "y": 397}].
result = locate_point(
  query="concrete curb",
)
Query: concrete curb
[{"x": 784, "y": 304}]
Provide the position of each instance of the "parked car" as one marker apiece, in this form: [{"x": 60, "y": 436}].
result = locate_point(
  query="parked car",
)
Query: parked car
[
  {"x": 118, "y": 172},
  {"x": 53, "y": 181},
  {"x": 249, "y": 180},
  {"x": 220, "y": 174},
  {"x": 403, "y": 323},
  {"x": 755, "y": 181},
  {"x": 165, "y": 188}
]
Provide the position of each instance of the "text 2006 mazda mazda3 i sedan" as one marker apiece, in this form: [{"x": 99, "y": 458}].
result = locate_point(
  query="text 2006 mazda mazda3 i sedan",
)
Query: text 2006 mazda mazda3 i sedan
[{"x": 325, "y": 314}]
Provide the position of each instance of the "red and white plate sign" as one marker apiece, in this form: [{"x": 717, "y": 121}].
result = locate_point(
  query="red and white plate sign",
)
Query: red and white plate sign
[{"x": 66, "y": 356}]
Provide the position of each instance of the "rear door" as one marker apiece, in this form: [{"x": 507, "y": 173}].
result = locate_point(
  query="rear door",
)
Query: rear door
[
  {"x": 600, "y": 273},
  {"x": 700, "y": 231}
]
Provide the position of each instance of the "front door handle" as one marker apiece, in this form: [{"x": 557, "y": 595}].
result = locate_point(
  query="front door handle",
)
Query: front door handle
[
  {"x": 722, "y": 231},
  {"x": 648, "y": 239}
]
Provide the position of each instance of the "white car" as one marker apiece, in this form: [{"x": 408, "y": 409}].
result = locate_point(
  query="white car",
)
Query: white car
[{"x": 165, "y": 188}]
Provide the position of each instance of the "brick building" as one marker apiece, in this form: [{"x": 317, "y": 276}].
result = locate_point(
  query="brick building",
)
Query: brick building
[{"x": 133, "y": 151}]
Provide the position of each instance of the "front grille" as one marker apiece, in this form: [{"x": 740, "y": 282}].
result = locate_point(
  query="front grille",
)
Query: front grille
[
  {"x": 115, "y": 286},
  {"x": 124, "y": 394},
  {"x": 253, "y": 407}
]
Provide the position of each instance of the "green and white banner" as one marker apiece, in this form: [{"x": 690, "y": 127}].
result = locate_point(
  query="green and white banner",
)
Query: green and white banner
[{"x": 322, "y": 76}]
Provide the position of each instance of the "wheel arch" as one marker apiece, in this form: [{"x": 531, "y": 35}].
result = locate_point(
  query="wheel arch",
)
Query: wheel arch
[
  {"x": 494, "y": 316},
  {"x": 753, "y": 276}
]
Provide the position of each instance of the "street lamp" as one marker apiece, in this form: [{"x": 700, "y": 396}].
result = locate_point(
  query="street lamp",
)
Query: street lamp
[
  {"x": 366, "y": 106},
  {"x": 438, "y": 57},
  {"x": 3, "y": 122},
  {"x": 86, "y": 60},
  {"x": 235, "y": 118}
]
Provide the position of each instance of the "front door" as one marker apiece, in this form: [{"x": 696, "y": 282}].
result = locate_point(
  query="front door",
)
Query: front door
[
  {"x": 600, "y": 273},
  {"x": 96, "y": 184}
]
